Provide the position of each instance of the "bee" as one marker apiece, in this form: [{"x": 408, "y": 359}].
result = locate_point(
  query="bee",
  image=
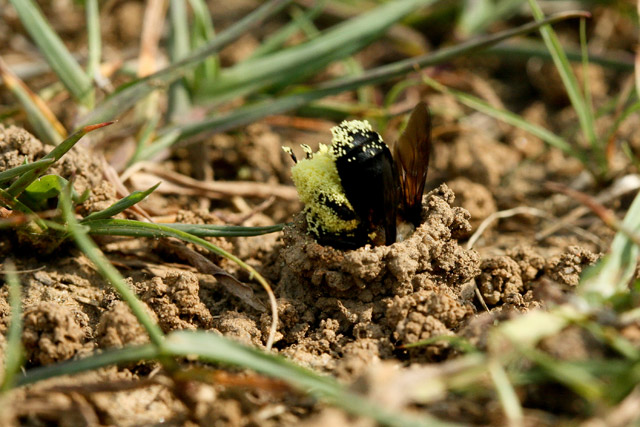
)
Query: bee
[{"x": 355, "y": 191}]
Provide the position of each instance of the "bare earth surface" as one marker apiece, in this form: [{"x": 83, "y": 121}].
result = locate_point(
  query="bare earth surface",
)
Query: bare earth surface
[{"x": 347, "y": 313}]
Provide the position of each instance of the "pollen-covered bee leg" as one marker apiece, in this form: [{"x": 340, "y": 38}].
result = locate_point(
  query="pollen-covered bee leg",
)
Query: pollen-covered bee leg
[
  {"x": 289, "y": 151},
  {"x": 308, "y": 151},
  {"x": 343, "y": 212}
]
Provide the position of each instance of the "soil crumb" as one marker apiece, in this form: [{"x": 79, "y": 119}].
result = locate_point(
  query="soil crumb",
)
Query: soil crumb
[
  {"x": 118, "y": 327},
  {"x": 51, "y": 334},
  {"x": 176, "y": 301}
]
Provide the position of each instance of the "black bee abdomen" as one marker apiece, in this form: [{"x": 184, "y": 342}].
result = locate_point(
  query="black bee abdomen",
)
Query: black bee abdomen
[{"x": 370, "y": 181}]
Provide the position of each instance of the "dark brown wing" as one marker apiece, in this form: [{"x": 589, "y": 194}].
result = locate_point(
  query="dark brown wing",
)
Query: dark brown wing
[{"x": 411, "y": 155}]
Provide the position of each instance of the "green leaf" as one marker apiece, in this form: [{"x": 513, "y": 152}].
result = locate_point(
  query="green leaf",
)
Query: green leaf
[
  {"x": 59, "y": 58},
  {"x": 525, "y": 49},
  {"x": 572, "y": 375},
  {"x": 125, "y": 227},
  {"x": 506, "y": 393},
  {"x": 132, "y": 92},
  {"x": 476, "y": 16},
  {"x": 40, "y": 191},
  {"x": 121, "y": 205},
  {"x": 162, "y": 142},
  {"x": 206, "y": 230}
]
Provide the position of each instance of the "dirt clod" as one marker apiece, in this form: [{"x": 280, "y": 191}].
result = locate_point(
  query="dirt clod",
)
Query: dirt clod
[
  {"x": 51, "y": 333},
  {"x": 119, "y": 327},
  {"x": 473, "y": 197},
  {"x": 176, "y": 301},
  {"x": 500, "y": 279},
  {"x": 567, "y": 267}
]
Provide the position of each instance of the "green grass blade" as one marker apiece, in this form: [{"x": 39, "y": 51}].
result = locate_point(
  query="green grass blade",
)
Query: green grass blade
[
  {"x": 132, "y": 228},
  {"x": 126, "y": 227},
  {"x": 507, "y": 117},
  {"x": 38, "y": 194},
  {"x": 130, "y": 94},
  {"x": 572, "y": 375},
  {"x": 477, "y": 16},
  {"x": 280, "y": 37},
  {"x": 13, "y": 354},
  {"x": 148, "y": 129},
  {"x": 25, "y": 180},
  {"x": 631, "y": 109},
  {"x": 215, "y": 348},
  {"x": 9, "y": 174},
  {"x": 202, "y": 34},
  {"x": 506, "y": 393},
  {"x": 250, "y": 113},
  {"x": 94, "y": 38},
  {"x": 299, "y": 61},
  {"x": 525, "y": 49},
  {"x": 612, "y": 274},
  {"x": 614, "y": 339},
  {"x": 121, "y": 205},
  {"x": 162, "y": 142},
  {"x": 350, "y": 64},
  {"x": 179, "y": 48},
  {"x": 45, "y": 125},
  {"x": 99, "y": 360},
  {"x": 59, "y": 58},
  {"x": 206, "y": 230},
  {"x": 455, "y": 341},
  {"x": 585, "y": 115},
  {"x": 585, "y": 72},
  {"x": 109, "y": 272}
]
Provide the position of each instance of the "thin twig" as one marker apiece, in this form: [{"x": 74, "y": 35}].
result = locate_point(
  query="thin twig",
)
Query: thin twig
[
  {"x": 520, "y": 210},
  {"x": 621, "y": 186},
  {"x": 606, "y": 215},
  {"x": 204, "y": 265},
  {"x": 183, "y": 184}
]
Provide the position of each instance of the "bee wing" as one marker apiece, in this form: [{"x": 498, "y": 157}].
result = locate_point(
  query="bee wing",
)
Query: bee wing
[{"x": 411, "y": 155}]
